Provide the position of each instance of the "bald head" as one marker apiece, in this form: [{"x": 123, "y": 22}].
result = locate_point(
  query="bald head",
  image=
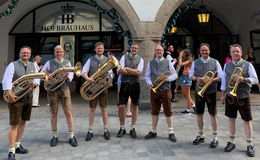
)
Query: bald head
[{"x": 159, "y": 51}]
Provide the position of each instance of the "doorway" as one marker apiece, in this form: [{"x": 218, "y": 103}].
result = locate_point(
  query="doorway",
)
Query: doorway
[{"x": 190, "y": 34}]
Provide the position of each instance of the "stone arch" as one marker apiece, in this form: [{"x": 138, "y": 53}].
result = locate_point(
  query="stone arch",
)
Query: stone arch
[
  {"x": 127, "y": 15},
  {"x": 165, "y": 12}
]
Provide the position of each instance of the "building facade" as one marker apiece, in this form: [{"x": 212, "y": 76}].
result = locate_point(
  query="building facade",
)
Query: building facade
[{"x": 77, "y": 25}]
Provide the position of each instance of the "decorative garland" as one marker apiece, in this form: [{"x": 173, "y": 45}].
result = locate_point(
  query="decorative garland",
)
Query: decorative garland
[
  {"x": 112, "y": 13},
  {"x": 175, "y": 15},
  {"x": 8, "y": 11}
]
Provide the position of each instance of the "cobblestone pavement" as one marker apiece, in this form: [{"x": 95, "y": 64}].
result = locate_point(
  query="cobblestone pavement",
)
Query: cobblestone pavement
[{"x": 37, "y": 136}]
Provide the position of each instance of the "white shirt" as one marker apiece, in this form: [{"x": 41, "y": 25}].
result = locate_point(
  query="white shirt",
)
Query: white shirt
[
  {"x": 252, "y": 77},
  {"x": 85, "y": 69},
  {"x": 172, "y": 77},
  {"x": 37, "y": 66},
  {"x": 8, "y": 77},
  {"x": 219, "y": 69},
  {"x": 169, "y": 58},
  {"x": 47, "y": 66},
  {"x": 140, "y": 66}
]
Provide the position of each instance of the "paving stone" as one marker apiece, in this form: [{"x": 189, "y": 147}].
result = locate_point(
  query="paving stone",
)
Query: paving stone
[{"x": 38, "y": 134}]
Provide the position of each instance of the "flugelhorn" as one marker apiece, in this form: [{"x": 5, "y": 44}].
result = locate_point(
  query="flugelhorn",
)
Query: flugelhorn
[
  {"x": 233, "y": 81},
  {"x": 160, "y": 81},
  {"x": 207, "y": 80}
]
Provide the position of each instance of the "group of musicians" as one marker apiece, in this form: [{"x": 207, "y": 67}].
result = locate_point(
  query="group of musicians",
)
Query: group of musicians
[{"x": 131, "y": 67}]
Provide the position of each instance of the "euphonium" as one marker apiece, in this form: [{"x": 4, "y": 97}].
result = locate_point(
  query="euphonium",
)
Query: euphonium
[
  {"x": 23, "y": 85},
  {"x": 160, "y": 81},
  {"x": 58, "y": 80},
  {"x": 90, "y": 91},
  {"x": 207, "y": 80},
  {"x": 233, "y": 81}
]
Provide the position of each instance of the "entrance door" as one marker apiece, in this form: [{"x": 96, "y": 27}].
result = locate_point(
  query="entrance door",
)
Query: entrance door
[{"x": 87, "y": 47}]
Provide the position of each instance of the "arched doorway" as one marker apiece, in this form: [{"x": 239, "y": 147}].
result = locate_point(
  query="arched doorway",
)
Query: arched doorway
[
  {"x": 51, "y": 23},
  {"x": 190, "y": 33}
]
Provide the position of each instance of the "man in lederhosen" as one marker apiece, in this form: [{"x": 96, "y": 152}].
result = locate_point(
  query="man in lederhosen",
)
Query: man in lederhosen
[
  {"x": 155, "y": 68},
  {"x": 20, "y": 110},
  {"x": 241, "y": 102},
  {"x": 199, "y": 68},
  {"x": 60, "y": 94},
  {"x": 90, "y": 67},
  {"x": 131, "y": 68}
]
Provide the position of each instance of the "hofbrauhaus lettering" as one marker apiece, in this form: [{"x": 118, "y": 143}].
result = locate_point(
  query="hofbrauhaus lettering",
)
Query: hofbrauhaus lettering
[{"x": 67, "y": 28}]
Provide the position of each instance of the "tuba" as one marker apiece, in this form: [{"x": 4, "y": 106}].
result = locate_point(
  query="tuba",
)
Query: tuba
[
  {"x": 23, "y": 85},
  {"x": 233, "y": 81},
  {"x": 207, "y": 80},
  {"x": 160, "y": 81},
  {"x": 58, "y": 80},
  {"x": 90, "y": 91}
]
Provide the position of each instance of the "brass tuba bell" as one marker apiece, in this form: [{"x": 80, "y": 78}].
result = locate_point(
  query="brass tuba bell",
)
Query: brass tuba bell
[
  {"x": 90, "y": 91},
  {"x": 23, "y": 85}
]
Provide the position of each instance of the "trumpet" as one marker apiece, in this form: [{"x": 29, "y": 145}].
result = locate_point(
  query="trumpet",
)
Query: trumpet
[
  {"x": 233, "y": 81},
  {"x": 207, "y": 80},
  {"x": 160, "y": 81}
]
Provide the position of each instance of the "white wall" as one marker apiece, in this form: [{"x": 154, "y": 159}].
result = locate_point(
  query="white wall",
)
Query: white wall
[{"x": 146, "y": 10}]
